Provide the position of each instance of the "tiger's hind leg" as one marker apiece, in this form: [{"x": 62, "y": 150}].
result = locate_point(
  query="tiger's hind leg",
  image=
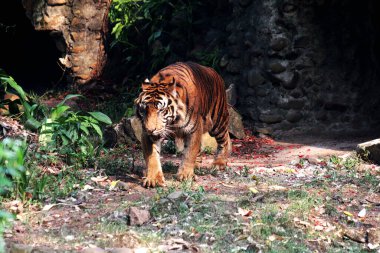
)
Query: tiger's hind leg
[{"x": 223, "y": 151}]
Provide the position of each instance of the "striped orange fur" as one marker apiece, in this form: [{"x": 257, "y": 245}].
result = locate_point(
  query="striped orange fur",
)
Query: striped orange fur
[{"x": 183, "y": 100}]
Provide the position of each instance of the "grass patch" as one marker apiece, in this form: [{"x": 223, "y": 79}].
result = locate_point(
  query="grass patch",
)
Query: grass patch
[
  {"x": 202, "y": 171},
  {"x": 170, "y": 167}
]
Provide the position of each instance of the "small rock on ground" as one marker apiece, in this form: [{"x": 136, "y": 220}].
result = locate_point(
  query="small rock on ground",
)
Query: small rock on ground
[
  {"x": 138, "y": 216},
  {"x": 175, "y": 195},
  {"x": 370, "y": 150},
  {"x": 373, "y": 235},
  {"x": 93, "y": 250},
  {"x": 121, "y": 250},
  {"x": 20, "y": 248}
]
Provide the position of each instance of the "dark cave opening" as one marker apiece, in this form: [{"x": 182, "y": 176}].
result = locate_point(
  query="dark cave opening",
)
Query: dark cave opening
[{"x": 29, "y": 56}]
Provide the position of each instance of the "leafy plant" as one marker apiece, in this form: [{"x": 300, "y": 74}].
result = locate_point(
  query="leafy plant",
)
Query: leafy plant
[
  {"x": 209, "y": 58},
  {"x": 153, "y": 33},
  {"x": 70, "y": 133},
  {"x": 28, "y": 109},
  {"x": 207, "y": 150},
  {"x": 11, "y": 162},
  {"x": 11, "y": 167}
]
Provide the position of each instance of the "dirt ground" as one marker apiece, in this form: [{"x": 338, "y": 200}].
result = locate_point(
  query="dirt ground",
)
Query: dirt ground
[{"x": 292, "y": 195}]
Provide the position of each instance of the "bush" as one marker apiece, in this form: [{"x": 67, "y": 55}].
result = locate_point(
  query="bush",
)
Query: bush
[
  {"x": 156, "y": 32},
  {"x": 11, "y": 168},
  {"x": 23, "y": 106},
  {"x": 72, "y": 134}
]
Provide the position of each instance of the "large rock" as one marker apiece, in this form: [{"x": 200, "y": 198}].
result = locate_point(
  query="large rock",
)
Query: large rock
[
  {"x": 271, "y": 118},
  {"x": 236, "y": 127},
  {"x": 293, "y": 116},
  {"x": 231, "y": 94},
  {"x": 137, "y": 127},
  {"x": 279, "y": 43},
  {"x": 127, "y": 131},
  {"x": 370, "y": 150},
  {"x": 255, "y": 78},
  {"x": 291, "y": 103},
  {"x": 287, "y": 79}
]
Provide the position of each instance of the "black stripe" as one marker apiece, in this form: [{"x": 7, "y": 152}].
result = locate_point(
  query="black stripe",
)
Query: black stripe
[
  {"x": 193, "y": 129},
  {"x": 220, "y": 112}
]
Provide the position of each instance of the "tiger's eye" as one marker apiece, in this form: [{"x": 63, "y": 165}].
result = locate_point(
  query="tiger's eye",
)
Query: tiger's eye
[{"x": 142, "y": 108}]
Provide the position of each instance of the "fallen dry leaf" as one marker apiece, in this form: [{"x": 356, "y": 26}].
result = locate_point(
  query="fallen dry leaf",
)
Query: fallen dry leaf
[
  {"x": 362, "y": 213},
  {"x": 99, "y": 179},
  {"x": 348, "y": 213},
  {"x": 318, "y": 228},
  {"x": 253, "y": 190},
  {"x": 113, "y": 185},
  {"x": 277, "y": 188},
  {"x": 87, "y": 188},
  {"x": 244, "y": 212}
]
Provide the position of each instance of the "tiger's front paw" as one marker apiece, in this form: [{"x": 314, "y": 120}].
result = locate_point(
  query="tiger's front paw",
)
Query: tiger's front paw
[
  {"x": 185, "y": 174},
  {"x": 219, "y": 163},
  {"x": 154, "y": 179}
]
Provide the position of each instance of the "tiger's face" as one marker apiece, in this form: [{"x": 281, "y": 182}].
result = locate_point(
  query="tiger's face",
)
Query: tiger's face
[{"x": 156, "y": 108}]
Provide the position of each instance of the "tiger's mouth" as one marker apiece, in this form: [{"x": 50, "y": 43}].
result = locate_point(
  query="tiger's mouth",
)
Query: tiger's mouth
[{"x": 155, "y": 132}]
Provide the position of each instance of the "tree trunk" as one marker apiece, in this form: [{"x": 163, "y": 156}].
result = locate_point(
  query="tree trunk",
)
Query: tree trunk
[{"x": 79, "y": 27}]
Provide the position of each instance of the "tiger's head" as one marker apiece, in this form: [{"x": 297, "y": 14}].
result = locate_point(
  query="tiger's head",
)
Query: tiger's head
[{"x": 156, "y": 107}]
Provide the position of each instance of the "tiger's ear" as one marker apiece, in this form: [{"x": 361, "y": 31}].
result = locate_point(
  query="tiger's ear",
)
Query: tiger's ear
[{"x": 146, "y": 84}]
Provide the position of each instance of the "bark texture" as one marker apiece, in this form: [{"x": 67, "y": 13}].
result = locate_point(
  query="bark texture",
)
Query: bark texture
[{"x": 79, "y": 27}]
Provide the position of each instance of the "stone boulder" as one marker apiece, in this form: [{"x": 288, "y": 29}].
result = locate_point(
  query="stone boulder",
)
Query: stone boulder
[
  {"x": 231, "y": 93},
  {"x": 127, "y": 131},
  {"x": 236, "y": 127},
  {"x": 370, "y": 150}
]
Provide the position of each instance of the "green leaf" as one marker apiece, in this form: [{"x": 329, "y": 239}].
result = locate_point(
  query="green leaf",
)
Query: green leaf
[
  {"x": 70, "y": 96},
  {"x": 58, "y": 111},
  {"x": 101, "y": 117},
  {"x": 5, "y": 182},
  {"x": 15, "y": 86},
  {"x": 84, "y": 129},
  {"x": 97, "y": 129},
  {"x": 65, "y": 140},
  {"x": 154, "y": 36},
  {"x": 32, "y": 124}
]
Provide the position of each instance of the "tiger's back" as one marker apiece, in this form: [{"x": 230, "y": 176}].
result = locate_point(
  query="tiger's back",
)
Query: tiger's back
[{"x": 202, "y": 92}]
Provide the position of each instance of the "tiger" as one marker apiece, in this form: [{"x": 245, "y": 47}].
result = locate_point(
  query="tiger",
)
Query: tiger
[{"x": 183, "y": 100}]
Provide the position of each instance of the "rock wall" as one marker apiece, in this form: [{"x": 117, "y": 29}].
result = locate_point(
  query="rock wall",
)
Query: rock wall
[
  {"x": 297, "y": 65},
  {"x": 79, "y": 27},
  {"x": 304, "y": 65}
]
